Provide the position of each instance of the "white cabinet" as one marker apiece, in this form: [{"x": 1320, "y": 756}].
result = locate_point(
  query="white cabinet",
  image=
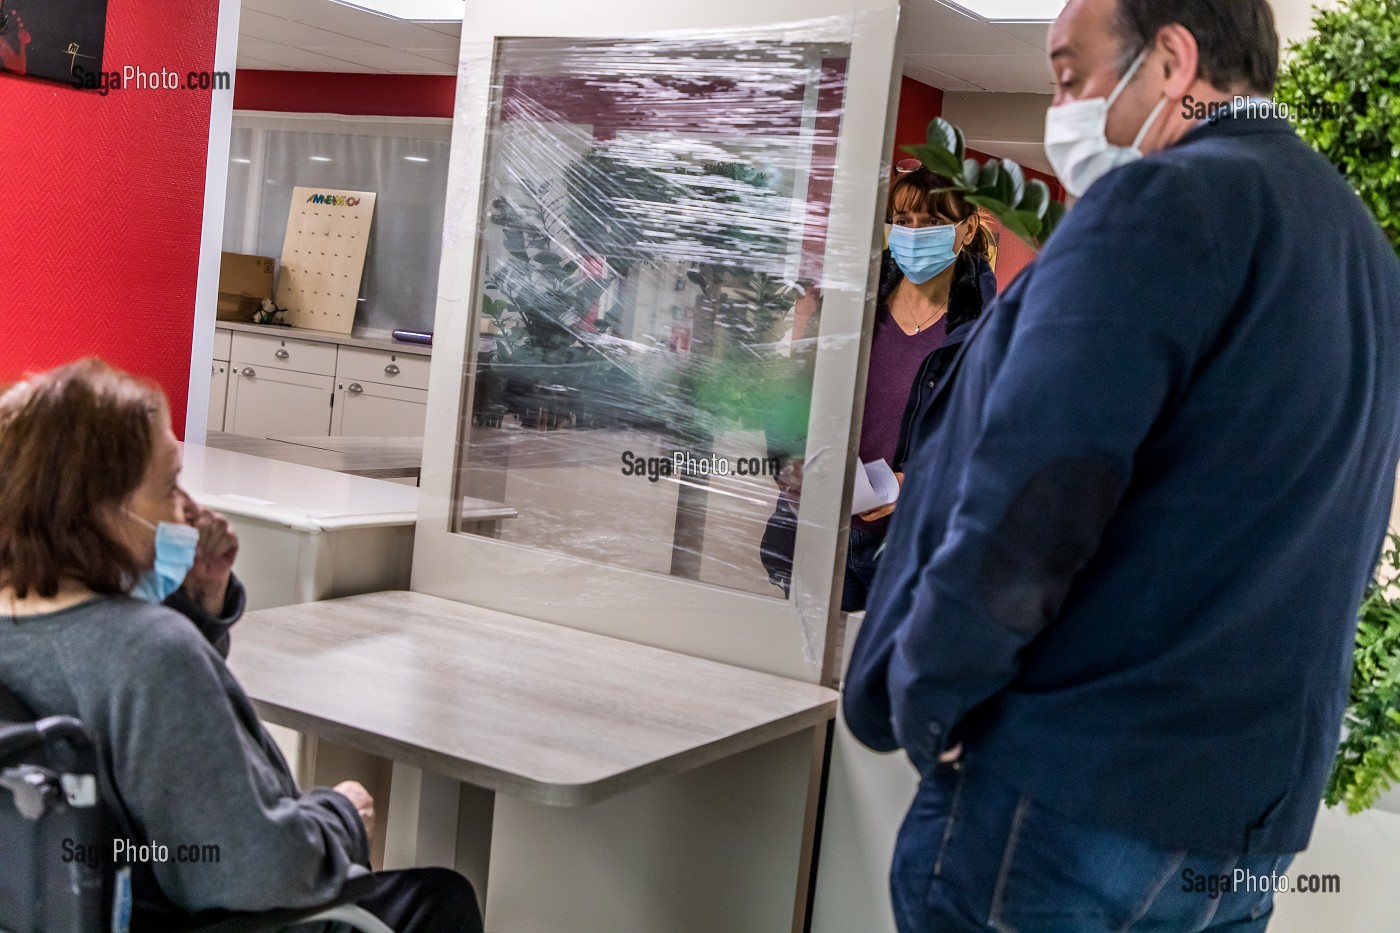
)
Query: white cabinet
[
  {"x": 369, "y": 409},
  {"x": 218, "y": 394},
  {"x": 279, "y": 385},
  {"x": 264, "y": 401},
  {"x": 218, "y": 379},
  {"x": 380, "y": 393}
]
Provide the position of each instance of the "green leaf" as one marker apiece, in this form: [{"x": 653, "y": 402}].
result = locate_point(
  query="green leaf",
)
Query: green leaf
[
  {"x": 1013, "y": 182},
  {"x": 997, "y": 207},
  {"x": 1054, "y": 213},
  {"x": 960, "y": 147},
  {"x": 971, "y": 170},
  {"x": 1037, "y": 199},
  {"x": 989, "y": 180},
  {"x": 938, "y": 160},
  {"x": 942, "y": 134}
]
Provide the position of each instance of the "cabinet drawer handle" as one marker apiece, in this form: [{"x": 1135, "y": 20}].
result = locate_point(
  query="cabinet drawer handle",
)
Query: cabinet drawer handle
[
  {"x": 355, "y": 388},
  {"x": 248, "y": 371},
  {"x": 392, "y": 369},
  {"x": 282, "y": 354}
]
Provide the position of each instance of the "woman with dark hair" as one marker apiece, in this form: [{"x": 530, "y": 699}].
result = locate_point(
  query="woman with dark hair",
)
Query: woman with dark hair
[
  {"x": 105, "y": 563},
  {"x": 935, "y": 282}
]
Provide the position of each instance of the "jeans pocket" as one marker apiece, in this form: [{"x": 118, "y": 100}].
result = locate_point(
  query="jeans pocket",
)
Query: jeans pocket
[
  {"x": 923, "y": 840},
  {"x": 1060, "y": 876},
  {"x": 1265, "y": 903}
]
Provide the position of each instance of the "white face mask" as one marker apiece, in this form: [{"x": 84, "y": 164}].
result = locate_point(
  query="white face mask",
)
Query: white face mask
[{"x": 1076, "y": 139}]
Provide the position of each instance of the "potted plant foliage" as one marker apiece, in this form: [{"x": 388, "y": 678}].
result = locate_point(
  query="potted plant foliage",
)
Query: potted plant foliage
[
  {"x": 1368, "y": 762},
  {"x": 999, "y": 186},
  {"x": 1342, "y": 88}
]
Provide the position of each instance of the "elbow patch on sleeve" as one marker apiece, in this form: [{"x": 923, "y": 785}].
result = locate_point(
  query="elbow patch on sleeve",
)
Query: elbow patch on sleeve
[{"x": 1048, "y": 534}]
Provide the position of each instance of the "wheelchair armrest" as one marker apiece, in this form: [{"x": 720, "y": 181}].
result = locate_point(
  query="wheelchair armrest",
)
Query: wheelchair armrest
[
  {"x": 358, "y": 883},
  {"x": 18, "y": 736}
]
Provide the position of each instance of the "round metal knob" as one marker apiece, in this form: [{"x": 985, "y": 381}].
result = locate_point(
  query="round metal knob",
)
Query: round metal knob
[
  {"x": 392, "y": 369},
  {"x": 282, "y": 354},
  {"x": 248, "y": 371},
  {"x": 355, "y": 388}
]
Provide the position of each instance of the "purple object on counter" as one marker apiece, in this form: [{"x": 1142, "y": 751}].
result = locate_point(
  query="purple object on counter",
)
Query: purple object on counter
[{"x": 414, "y": 336}]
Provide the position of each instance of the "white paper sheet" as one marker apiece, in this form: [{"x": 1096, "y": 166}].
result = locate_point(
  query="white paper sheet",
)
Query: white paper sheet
[{"x": 875, "y": 485}]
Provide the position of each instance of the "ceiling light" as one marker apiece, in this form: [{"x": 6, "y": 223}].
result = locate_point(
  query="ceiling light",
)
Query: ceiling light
[
  {"x": 1012, "y": 11},
  {"x": 416, "y": 159},
  {"x": 320, "y": 159},
  {"x": 418, "y": 11}
]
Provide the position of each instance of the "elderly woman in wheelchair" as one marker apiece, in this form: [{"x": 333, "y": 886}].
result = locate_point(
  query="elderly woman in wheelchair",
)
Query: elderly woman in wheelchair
[{"x": 116, "y": 602}]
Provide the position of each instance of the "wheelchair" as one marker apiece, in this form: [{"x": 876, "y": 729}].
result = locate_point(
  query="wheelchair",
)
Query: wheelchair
[{"x": 52, "y": 813}]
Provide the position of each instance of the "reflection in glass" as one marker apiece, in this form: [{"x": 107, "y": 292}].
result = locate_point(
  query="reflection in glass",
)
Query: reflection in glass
[{"x": 649, "y": 290}]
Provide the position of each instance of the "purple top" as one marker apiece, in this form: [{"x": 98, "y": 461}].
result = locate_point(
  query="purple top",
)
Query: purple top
[{"x": 895, "y": 358}]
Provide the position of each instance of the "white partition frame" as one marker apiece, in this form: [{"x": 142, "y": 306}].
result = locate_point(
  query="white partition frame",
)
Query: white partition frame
[
  {"x": 728, "y": 846},
  {"x": 785, "y": 637}
]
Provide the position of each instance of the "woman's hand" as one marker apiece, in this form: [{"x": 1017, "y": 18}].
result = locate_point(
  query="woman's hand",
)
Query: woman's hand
[
  {"x": 355, "y": 792},
  {"x": 874, "y": 515},
  {"x": 789, "y": 481},
  {"x": 207, "y": 581}
]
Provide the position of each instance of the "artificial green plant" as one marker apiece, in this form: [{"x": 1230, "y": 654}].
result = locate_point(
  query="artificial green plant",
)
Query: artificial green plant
[
  {"x": 1023, "y": 206},
  {"x": 1368, "y": 761},
  {"x": 1342, "y": 85}
]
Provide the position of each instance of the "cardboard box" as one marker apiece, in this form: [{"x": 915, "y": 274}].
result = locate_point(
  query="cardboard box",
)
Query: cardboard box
[{"x": 244, "y": 281}]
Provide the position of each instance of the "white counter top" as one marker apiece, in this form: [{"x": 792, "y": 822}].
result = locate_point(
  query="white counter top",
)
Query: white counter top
[
  {"x": 301, "y": 497},
  {"x": 325, "y": 336}
]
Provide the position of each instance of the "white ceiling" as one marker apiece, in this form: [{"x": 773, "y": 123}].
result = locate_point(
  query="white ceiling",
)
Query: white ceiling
[
  {"x": 944, "y": 46},
  {"x": 318, "y": 35},
  {"x": 947, "y": 48}
]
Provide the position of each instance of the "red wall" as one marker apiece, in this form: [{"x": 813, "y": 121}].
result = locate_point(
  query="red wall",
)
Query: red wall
[
  {"x": 359, "y": 94},
  {"x": 918, "y": 105},
  {"x": 103, "y": 205}
]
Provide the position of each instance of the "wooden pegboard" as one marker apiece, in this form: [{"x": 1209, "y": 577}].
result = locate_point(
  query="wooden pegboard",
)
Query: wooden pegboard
[{"x": 323, "y": 257}]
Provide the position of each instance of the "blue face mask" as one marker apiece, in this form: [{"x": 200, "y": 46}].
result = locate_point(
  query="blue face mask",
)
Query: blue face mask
[
  {"x": 175, "y": 552},
  {"x": 923, "y": 252}
]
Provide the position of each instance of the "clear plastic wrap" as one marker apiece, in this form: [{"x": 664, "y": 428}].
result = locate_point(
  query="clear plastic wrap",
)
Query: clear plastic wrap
[{"x": 653, "y": 251}]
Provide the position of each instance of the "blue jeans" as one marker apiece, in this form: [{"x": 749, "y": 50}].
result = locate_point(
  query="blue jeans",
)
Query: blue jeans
[
  {"x": 976, "y": 854},
  {"x": 860, "y": 569}
]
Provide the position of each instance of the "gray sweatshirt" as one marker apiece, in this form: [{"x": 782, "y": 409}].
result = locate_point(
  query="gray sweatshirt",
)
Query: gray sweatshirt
[{"x": 189, "y": 761}]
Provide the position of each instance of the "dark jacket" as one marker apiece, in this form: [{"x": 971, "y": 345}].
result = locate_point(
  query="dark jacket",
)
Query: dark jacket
[
  {"x": 974, "y": 288},
  {"x": 1126, "y": 564}
]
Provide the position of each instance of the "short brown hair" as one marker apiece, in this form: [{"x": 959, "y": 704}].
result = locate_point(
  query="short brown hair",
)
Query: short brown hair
[
  {"x": 1237, "y": 39},
  {"x": 74, "y": 442},
  {"x": 922, "y": 190}
]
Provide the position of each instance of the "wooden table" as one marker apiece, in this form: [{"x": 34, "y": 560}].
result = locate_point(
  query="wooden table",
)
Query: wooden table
[
  {"x": 374, "y": 458},
  {"x": 509, "y": 705},
  {"x": 379, "y": 457}
]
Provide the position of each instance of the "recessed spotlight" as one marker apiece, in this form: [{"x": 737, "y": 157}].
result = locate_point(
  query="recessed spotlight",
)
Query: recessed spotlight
[
  {"x": 320, "y": 159},
  {"x": 417, "y": 11},
  {"x": 1013, "y": 11},
  {"x": 416, "y": 159}
]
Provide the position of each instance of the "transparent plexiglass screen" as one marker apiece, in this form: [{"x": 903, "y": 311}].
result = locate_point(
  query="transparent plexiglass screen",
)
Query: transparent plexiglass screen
[{"x": 652, "y": 246}]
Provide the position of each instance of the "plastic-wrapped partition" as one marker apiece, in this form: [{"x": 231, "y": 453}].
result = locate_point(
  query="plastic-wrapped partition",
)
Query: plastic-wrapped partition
[{"x": 652, "y": 250}]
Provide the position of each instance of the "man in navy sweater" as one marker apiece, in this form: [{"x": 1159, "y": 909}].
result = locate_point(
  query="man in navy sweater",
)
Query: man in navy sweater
[{"x": 1114, "y": 622}]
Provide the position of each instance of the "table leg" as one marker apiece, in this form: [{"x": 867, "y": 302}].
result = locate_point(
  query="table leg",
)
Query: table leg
[{"x": 435, "y": 820}]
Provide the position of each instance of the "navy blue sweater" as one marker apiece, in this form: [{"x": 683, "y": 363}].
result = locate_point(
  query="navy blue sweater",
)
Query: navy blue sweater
[{"x": 1145, "y": 502}]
